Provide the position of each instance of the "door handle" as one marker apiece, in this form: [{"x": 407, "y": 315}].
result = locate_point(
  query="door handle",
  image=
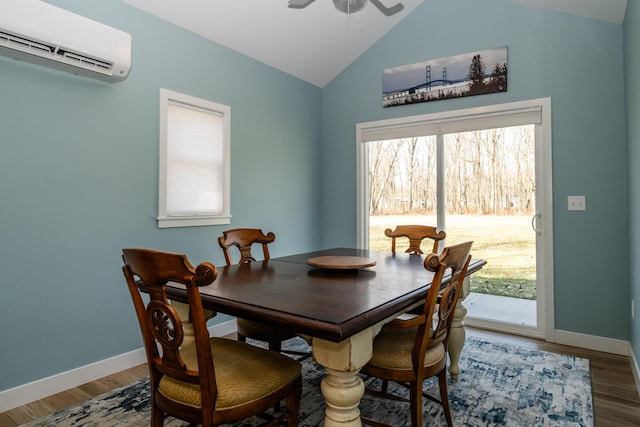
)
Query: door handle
[{"x": 535, "y": 223}]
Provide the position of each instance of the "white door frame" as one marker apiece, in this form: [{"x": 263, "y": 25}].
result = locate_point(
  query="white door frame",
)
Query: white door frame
[{"x": 544, "y": 194}]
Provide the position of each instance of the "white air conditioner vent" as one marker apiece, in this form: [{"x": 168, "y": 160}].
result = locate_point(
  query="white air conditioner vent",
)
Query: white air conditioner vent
[
  {"x": 18, "y": 43},
  {"x": 37, "y": 32},
  {"x": 55, "y": 53}
]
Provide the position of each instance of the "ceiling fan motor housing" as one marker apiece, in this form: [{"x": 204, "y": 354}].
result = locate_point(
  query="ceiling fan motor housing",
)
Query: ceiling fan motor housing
[{"x": 349, "y": 6}]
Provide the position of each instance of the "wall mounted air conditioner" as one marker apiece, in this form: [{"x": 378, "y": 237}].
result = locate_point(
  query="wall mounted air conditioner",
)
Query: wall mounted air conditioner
[{"x": 37, "y": 32}]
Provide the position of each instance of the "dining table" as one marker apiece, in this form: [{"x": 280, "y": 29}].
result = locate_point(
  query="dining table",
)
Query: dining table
[{"x": 337, "y": 298}]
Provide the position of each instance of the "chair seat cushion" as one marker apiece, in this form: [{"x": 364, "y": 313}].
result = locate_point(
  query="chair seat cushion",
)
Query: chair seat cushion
[
  {"x": 244, "y": 373},
  {"x": 392, "y": 350}
]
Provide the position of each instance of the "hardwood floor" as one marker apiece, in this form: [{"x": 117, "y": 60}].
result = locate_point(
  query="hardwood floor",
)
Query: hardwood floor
[
  {"x": 615, "y": 395},
  {"x": 40, "y": 408}
]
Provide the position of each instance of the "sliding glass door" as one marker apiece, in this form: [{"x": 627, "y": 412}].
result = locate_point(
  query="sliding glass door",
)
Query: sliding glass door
[{"x": 478, "y": 175}]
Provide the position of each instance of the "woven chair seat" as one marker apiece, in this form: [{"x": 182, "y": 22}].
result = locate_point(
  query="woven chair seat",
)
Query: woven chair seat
[
  {"x": 392, "y": 350},
  {"x": 240, "y": 380}
]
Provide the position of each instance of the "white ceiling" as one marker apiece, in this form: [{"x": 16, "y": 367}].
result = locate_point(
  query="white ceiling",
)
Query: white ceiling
[{"x": 316, "y": 43}]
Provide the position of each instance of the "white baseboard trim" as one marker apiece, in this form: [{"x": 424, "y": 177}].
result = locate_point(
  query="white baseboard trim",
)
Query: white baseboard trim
[
  {"x": 592, "y": 342},
  {"x": 39, "y": 389}
]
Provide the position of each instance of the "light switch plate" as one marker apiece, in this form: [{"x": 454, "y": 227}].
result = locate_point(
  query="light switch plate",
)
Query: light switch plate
[{"x": 577, "y": 203}]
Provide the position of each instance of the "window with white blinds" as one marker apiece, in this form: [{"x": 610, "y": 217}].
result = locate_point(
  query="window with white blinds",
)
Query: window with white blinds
[{"x": 194, "y": 161}]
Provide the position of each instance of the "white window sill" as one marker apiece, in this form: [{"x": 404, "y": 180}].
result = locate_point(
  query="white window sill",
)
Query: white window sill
[{"x": 193, "y": 221}]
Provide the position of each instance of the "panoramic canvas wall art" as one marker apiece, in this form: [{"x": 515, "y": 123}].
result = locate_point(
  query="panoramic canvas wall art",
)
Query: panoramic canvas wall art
[{"x": 469, "y": 74}]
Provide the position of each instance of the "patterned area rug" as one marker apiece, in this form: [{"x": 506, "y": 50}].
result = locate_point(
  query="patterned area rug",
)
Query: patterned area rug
[{"x": 500, "y": 385}]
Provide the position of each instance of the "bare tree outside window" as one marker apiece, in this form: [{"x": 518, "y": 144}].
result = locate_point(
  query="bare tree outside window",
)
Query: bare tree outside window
[{"x": 489, "y": 186}]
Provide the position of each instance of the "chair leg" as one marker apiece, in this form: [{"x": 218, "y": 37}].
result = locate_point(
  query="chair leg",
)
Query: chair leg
[
  {"x": 242, "y": 338},
  {"x": 444, "y": 396},
  {"x": 293, "y": 404},
  {"x": 275, "y": 345},
  {"x": 157, "y": 416},
  {"x": 415, "y": 400}
]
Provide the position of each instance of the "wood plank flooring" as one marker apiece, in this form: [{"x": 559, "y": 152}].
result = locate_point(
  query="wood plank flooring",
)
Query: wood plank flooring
[{"x": 615, "y": 395}]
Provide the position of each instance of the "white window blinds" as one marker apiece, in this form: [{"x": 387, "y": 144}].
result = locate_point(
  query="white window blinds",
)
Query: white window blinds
[{"x": 195, "y": 170}]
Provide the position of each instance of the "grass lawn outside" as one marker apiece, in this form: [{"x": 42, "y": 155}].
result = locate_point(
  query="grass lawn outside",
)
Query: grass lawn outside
[{"x": 507, "y": 243}]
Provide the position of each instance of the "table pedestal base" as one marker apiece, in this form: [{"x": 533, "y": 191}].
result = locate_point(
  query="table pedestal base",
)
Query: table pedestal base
[
  {"x": 343, "y": 388},
  {"x": 457, "y": 334},
  {"x": 342, "y": 392}
]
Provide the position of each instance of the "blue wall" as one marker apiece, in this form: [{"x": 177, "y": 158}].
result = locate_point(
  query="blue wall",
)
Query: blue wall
[
  {"x": 575, "y": 61},
  {"x": 632, "y": 94},
  {"x": 78, "y": 182},
  {"x": 78, "y": 170}
]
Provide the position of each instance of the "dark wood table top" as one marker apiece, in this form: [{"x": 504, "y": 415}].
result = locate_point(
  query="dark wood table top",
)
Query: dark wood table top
[{"x": 323, "y": 303}]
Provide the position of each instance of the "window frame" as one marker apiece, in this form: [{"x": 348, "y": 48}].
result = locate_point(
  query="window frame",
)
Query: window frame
[{"x": 164, "y": 220}]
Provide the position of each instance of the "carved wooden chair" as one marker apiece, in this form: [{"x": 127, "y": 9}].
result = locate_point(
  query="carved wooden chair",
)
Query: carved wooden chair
[
  {"x": 208, "y": 381},
  {"x": 244, "y": 239},
  {"x": 409, "y": 350},
  {"x": 416, "y": 234}
]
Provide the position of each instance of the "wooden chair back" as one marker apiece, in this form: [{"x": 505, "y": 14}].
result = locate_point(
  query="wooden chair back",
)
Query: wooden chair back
[
  {"x": 443, "y": 297},
  {"x": 390, "y": 352},
  {"x": 161, "y": 324},
  {"x": 244, "y": 239},
  {"x": 454, "y": 259},
  {"x": 416, "y": 234}
]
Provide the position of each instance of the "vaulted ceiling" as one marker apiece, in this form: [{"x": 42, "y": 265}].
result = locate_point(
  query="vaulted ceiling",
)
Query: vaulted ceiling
[{"x": 317, "y": 42}]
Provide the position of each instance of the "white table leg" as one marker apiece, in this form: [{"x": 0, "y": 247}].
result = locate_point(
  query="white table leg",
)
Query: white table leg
[
  {"x": 457, "y": 334},
  {"x": 343, "y": 388}
]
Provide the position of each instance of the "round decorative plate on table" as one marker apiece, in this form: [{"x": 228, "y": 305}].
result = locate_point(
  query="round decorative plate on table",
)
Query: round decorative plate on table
[{"x": 340, "y": 262}]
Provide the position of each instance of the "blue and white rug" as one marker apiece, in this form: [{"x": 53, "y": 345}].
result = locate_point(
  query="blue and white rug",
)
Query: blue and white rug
[{"x": 500, "y": 385}]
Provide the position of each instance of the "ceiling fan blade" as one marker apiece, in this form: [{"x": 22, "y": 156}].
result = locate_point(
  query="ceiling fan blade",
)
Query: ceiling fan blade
[
  {"x": 388, "y": 11},
  {"x": 299, "y": 4}
]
